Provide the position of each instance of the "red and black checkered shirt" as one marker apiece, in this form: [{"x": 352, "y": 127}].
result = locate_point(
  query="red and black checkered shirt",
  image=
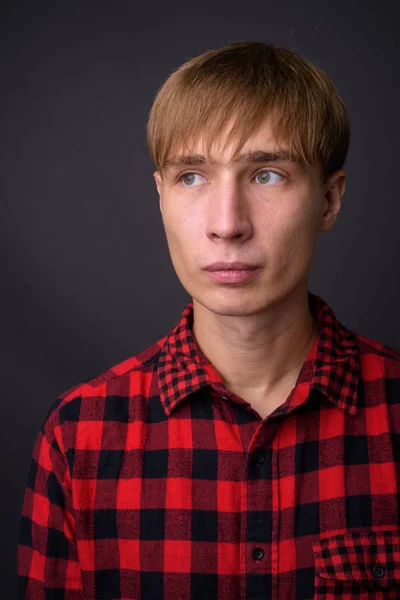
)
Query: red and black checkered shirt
[{"x": 153, "y": 481}]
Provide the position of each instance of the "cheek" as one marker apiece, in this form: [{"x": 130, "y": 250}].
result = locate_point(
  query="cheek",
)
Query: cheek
[
  {"x": 175, "y": 215},
  {"x": 294, "y": 237},
  {"x": 180, "y": 236}
]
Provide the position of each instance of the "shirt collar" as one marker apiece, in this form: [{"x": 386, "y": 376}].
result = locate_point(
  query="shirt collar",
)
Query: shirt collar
[{"x": 332, "y": 365}]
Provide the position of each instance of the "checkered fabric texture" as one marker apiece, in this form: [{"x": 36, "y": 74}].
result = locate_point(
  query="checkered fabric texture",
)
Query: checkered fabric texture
[{"x": 154, "y": 482}]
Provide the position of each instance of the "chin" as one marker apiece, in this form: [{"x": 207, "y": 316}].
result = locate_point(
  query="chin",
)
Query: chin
[{"x": 231, "y": 305}]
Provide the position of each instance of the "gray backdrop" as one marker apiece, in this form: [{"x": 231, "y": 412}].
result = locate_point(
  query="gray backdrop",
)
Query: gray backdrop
[{"x": 86, "y": 275}]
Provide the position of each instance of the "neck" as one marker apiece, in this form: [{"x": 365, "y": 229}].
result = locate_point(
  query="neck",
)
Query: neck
[{"x": 260, "y": 351}]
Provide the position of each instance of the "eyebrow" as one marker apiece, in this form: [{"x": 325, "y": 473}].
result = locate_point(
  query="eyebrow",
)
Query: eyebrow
[{"x": 252, "y": 157}]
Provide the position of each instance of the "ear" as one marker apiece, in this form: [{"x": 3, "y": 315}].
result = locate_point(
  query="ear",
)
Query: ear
[
  {"x": 158, "y": 179},
  {"x": 333, "y": 191}
]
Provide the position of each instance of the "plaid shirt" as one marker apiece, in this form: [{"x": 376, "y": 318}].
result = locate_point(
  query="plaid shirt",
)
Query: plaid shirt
[{"x": 153, "y": 481}]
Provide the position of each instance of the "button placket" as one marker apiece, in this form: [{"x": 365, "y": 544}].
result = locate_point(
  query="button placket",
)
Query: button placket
[{"x": 258, "y": 521}]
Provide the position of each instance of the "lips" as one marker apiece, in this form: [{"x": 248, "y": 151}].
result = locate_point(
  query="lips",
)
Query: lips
[
  {"x": 232, "y": 276},
  {"x": 232, "y": 266}
]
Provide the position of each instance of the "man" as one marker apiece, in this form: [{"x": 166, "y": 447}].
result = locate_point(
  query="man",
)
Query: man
[{"x": 253, "y": 452}]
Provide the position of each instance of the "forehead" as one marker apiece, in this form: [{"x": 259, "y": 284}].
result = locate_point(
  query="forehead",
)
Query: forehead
[{"x": 261, "y": 146}]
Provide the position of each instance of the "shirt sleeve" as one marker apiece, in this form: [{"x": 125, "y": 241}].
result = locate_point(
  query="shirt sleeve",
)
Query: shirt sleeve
[{"x": 48, "y": 564}]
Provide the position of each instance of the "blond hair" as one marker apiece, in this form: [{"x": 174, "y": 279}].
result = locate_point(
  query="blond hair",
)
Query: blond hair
[{"x": 247, "y": 81}]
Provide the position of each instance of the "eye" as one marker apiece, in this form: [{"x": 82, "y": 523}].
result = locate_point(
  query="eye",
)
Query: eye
[
  {"x": 188, "y": 178},
  {"x": 265, "y": 176}
]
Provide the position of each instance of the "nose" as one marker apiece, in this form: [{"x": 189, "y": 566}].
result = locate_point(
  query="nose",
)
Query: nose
[{"x": 228, "y": 213}]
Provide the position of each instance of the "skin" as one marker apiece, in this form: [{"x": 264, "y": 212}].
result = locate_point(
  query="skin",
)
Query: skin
[{"x": 258, "y": 333}]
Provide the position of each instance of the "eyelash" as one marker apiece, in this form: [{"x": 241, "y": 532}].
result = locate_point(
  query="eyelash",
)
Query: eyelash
[{"x": 179, "y": 178}]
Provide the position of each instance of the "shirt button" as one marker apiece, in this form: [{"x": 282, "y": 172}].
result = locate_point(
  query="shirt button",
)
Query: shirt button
[
  {"x": 378, "y": 571},
  {"x": 258, "y": 457},
  {"x": 257, "y": 553}
]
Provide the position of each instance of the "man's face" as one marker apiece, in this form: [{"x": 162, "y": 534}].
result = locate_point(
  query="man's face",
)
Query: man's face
[{"x": 266, "y": 213}]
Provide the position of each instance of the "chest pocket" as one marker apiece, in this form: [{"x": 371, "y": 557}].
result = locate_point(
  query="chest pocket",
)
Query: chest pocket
[{"x": 362, "y": 564}]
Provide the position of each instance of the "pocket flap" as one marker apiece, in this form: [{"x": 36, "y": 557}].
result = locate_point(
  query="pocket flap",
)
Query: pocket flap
[{"x": 370, "y": 558}]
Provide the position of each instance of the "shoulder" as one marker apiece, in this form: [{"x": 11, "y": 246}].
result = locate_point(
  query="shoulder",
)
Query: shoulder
[
  {"x": 86, "y": 401},
  {"x": 380, "y": 364},
  {"x": 377, "y": 351}
]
